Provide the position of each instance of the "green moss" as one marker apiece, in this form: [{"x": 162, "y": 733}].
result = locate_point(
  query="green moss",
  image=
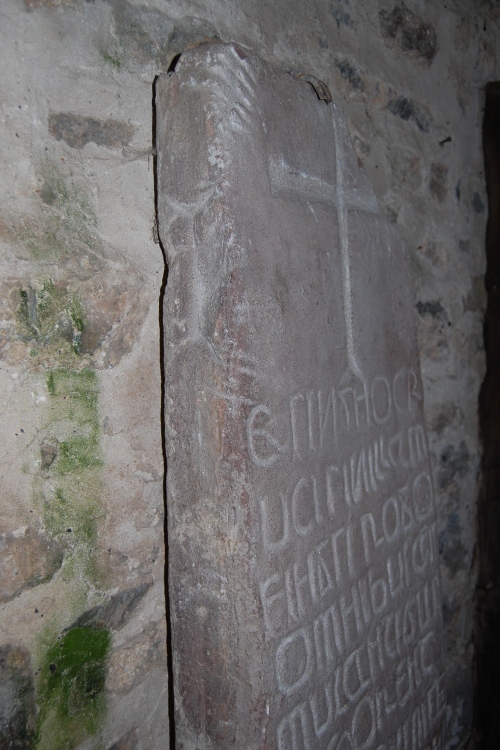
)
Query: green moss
[
  {"x": 78, "y": 452},
  {"x": 61, "y": 226},
  {"x": 72, "y": 669},
  {"x": 75, "y": 395},
  {"x": 66, "y": 512},
  {"x": 70, "y": 690},
  {"x": 53, "y": 318},
  {"x": 46, "y": 296},
  {"x": 79, "y": 323},
  {"x": 74, "y": 398},
  {"x": 114, "y": 61},
  {"x": 66, "y": 222},
  {"x": 71, "y": 510},
  {"x": 51, "y": 383},
  {"x": 23, "y": 315}
]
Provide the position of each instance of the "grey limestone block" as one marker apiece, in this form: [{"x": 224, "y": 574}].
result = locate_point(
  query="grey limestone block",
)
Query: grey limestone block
[{"x": 303, "y": 573}]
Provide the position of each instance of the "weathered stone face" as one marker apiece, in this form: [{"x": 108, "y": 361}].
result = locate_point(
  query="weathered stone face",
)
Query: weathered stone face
[
  {"x": 27, "y": 558},
  {"x": 303, "y": 559},
  {"x": 17, "y": 698}
]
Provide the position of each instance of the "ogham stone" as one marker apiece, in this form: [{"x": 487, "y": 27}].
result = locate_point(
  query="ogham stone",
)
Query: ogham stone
[{"x": 303, "y": 565}]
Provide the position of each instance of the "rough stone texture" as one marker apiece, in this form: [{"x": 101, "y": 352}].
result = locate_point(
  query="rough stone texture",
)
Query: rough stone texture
[
  {"x": 17, "y": 699},
  {"x": 127, "y": 742},
  {"x": 301, "y": 523},
  {"x": 78, "y": 131},
  {"x": 81, "y": 457},
  {"x": 84, "y": 218},
  {"x": 27, "y": 558},
  {"x": 403, "y": 26}
]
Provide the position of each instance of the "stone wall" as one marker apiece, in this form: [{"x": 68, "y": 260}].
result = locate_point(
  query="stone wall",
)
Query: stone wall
[{"x": 83, "y": 638}]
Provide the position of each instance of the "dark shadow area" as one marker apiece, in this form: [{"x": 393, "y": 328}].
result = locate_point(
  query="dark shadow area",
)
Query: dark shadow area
[
  {"x": 163, "y": 288},
  {"x": 173, "y": 64},
  {"x": 487, "y": 632}
]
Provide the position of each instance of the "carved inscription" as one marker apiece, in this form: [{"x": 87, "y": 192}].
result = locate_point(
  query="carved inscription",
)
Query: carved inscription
[
  {"x": 360, "y": 599},
  {"x": 316, "y": 418},
  {"x": 305, "y": 598}
]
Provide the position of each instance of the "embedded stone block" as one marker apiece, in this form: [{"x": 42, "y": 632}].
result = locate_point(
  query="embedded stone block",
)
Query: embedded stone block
[{"x": 304, "y": 588}]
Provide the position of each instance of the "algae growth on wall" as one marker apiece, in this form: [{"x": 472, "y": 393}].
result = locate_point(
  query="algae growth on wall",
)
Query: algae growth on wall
[{"x": 81, "y": 520}]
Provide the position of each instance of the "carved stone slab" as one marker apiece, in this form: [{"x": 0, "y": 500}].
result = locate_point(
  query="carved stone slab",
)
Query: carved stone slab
[{"x": 305, "y": 597}]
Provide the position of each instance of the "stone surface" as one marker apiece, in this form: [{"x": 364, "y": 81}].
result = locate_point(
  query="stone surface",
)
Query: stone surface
[
  {"x": 114, "y": 613},
  {"x": 84, "y": 219},
  {"x": 303, "y": 556},
  {"x": 81, "y": 458},
  {"x": 27, "y": 558},
  {"x": 402, "y": 26},
  {"x": 127, "y": 742},
  {"x": 17, "y": 699}
]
